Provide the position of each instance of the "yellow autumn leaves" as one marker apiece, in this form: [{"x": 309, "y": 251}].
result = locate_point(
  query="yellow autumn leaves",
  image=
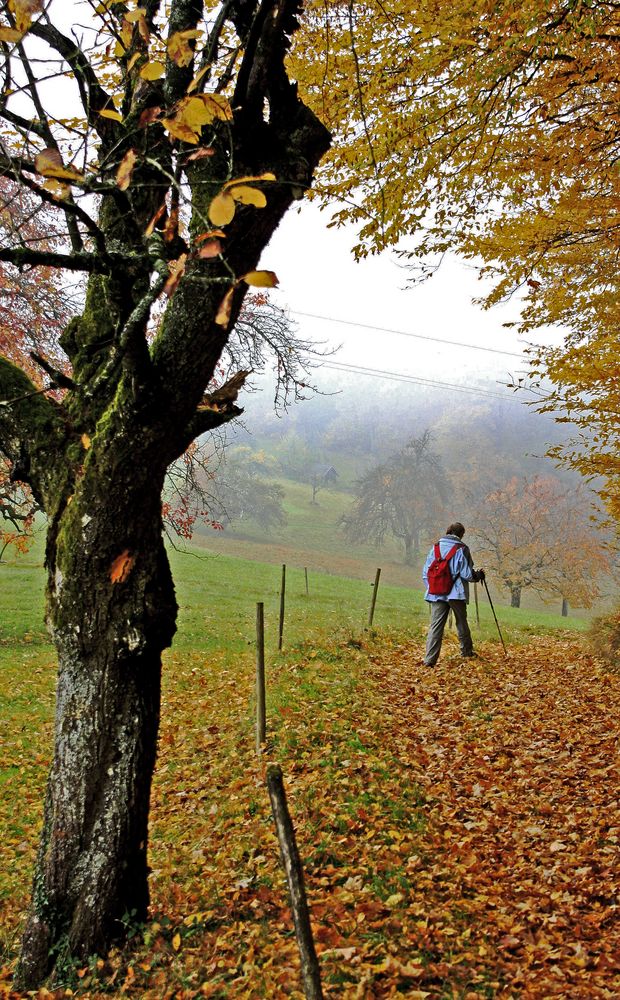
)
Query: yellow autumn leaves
[
  {"x": 22, "y": 12},
  {"x": 237, "y": 192}
]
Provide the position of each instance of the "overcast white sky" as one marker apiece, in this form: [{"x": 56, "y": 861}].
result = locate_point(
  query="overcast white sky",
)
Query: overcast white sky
[{"x": 319, "y": 276}]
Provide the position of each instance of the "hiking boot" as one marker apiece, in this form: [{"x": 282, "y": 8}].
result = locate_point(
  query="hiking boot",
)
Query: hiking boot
[{"x": 470, "y": 656}]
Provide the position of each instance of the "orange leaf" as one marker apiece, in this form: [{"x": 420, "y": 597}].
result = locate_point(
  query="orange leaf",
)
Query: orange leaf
[
  {"x": 158, "y": 214},
  {"x": 212, "y": 248},
  {"x": 223, "y": 313},
  {"x": 49, "y": 163},
  {"x": 177, "y": 270},
  {"x": 148, "y": 116},
  {"x": 199, "y": 154},
  {"x": 125, "y": 170},
  {"x": 209, "y": 235},
  {"x": 171, "y": 228},
  {"x": 121, "y": 567}
]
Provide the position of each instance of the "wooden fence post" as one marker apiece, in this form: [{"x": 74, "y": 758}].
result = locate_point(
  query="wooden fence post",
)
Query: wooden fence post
[
  {"x": 261, "y": 712},
  {"x": 375, "y": 588},
  {"x": 282, "y": 592},
  {"x": 291, "y": 863}
]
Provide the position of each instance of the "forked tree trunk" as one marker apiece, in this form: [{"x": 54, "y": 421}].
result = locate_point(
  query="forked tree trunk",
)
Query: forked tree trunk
[{"x": 91, "y": 872}]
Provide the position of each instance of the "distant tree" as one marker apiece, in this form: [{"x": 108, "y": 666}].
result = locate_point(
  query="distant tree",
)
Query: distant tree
[
  {"x": 401, "y": 498},
  {"x": 238, "y": 491},
  {"x": 17, "y": 511},
  {"x": 536, "y": 535}
]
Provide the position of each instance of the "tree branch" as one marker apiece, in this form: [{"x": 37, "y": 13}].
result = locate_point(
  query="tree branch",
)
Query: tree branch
[
  {"x": 94, "y": 98},
  {"x": 81, "y": 261},
  {"x": 207, "y": 420}
]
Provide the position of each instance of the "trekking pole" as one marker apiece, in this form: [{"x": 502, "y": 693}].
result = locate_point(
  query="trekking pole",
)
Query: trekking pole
[
  {"x": 477, "y": 608},
  {"x": 495, "y": 617}
]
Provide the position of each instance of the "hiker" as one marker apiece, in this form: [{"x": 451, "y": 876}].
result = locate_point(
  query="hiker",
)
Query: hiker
[{"x": 447, "y": 572}]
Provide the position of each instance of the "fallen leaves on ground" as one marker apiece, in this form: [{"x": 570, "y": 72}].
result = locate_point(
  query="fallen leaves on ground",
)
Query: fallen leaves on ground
[{"x": 458, "y": 828}]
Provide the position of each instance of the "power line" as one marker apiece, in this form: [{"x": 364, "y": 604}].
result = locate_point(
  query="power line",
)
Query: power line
[
  {"x": 415, "y": 379},
  {"x": 405, "y": 333}
]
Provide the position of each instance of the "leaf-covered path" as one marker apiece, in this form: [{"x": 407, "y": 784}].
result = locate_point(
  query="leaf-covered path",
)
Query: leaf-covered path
[
  {"x": 459, "y": 827},
  {"x": 519, "y": 760}
]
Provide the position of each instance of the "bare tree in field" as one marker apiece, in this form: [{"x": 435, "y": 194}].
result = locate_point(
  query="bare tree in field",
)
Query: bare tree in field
[
  {"x": 182, "y": 110},
  {"x": 402, "y": 498}
]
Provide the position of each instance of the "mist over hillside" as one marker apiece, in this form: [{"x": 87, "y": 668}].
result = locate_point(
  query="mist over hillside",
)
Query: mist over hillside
[{"x": 360, "y": 419}]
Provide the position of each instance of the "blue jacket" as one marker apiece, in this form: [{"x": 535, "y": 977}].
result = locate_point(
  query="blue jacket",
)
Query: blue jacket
[{"x": 461, "y": 567}]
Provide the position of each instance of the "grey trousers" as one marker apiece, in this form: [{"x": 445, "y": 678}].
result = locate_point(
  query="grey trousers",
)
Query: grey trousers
[{"x": 439, "y": 616}]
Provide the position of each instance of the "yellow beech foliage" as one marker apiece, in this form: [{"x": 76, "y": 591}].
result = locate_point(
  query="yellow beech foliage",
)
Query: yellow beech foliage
[{"x": 490, "y": 129}]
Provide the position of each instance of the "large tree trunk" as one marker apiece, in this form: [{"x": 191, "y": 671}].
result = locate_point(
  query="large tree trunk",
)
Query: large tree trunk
[
  {"x": 111, "y": 611},
  {"x": 515, "y": 597}
]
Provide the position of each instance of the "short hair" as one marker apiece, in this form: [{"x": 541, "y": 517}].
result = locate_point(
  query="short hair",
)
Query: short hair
[{"x": 456, "y": 529}]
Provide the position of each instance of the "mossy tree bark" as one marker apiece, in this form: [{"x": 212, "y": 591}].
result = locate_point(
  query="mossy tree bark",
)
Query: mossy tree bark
[{"x": 97, "y": 460}]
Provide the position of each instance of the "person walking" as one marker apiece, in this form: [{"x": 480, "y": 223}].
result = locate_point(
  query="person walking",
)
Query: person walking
[{"x": 447, "y": 573}]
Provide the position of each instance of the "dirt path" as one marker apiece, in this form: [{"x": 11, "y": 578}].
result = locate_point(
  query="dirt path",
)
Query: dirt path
[{"x": 519, "y": 759}]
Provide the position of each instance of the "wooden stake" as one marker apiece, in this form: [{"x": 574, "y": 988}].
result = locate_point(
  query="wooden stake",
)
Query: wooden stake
[
  {"x": 282, "y": 592},
  {"x": 306, "y": 573},
  {"x": 374, "y": 598},
  {"x": 261, "y": 711},
  {"x": 289, "y": 855}
]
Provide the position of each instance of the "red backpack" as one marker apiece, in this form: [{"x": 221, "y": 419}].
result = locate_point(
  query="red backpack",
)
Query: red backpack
[{"x": 439, "y": 577}]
